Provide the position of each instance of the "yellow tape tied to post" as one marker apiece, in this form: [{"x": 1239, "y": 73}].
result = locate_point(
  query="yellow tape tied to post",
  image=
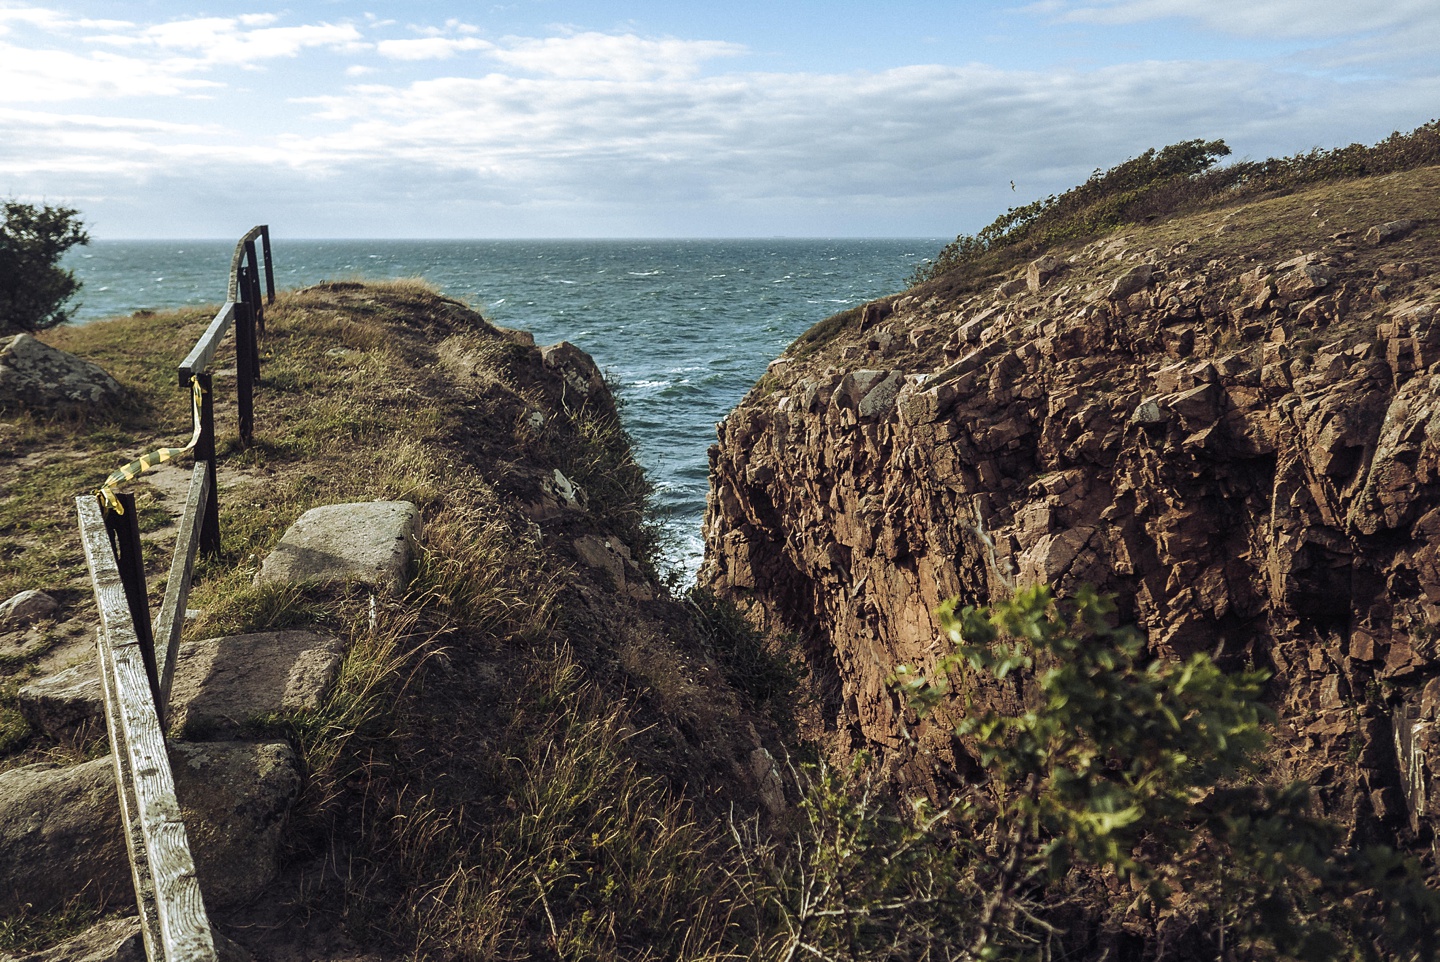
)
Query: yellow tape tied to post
[{"x": 152, "y": 460}]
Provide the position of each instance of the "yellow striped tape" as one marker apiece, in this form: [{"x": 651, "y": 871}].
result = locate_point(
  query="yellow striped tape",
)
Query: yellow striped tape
[{"x": 154, "y": 459}]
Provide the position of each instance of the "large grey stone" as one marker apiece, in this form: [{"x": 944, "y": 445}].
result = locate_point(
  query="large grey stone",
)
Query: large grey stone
[
  {"x": 60, "y": 837},
  {"x": 59, "y": 703},
  {"x": 577, "y": 368},
  {"x": 1389, "y": 231},
  {"x": 235, "y": 798},
  {"x": 35, "y": 375},
  {"x": 1133, "y": 281},
  {"x": 370, "y": 542},
  {"x": 26, "y": 607},
  {"x": 219, "y": 683},
  {"x": 60, "y": 834},
  {"x": 1041, "y": 271}
]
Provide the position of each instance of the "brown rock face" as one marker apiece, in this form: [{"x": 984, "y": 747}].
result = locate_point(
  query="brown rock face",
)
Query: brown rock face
[{"x": 1247, "y": 456}]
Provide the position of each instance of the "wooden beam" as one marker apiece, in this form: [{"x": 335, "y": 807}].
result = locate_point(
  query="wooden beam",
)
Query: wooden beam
[
  {"x": 250, "y": 235},
  {"x": 200, "y": 356},
  {"x": 177, "y": 928},
  {"x": 177, "y": 588}
]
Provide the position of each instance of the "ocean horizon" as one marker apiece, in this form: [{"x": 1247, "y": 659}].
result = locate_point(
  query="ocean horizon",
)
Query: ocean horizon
[{"x": 682, "y": 327}]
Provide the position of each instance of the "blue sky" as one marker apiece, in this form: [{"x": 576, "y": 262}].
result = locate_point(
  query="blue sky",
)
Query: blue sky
[{"x": 553, "y": 118}]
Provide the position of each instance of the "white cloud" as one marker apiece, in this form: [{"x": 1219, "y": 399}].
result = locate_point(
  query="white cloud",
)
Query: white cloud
[
  {"x": 907, "y": 132},
  {"x": 611, "y": 56},
  {"x": 233, "y": 41},
  {"x": 599, "y": 131},
  {"x": 34, "y": 76},
  {"x": 41, "y": 60},
  {"x": 1253, "y": 19},
  {"x": 429, "y": 48}
]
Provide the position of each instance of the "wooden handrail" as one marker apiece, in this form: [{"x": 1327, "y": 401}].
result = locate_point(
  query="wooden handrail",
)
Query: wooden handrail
[
  {"x": 136, "y": 667},
  {"x": 177, "y": 588},
  {"x": 203, "y": 352},
  {"x": 261, "y": 232},
  {"x": 172, "y": 910}
]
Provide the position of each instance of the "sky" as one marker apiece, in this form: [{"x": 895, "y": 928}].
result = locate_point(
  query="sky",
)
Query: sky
[{"x": 748, "y": 118}]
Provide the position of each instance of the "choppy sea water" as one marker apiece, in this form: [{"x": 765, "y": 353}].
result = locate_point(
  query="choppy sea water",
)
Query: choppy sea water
[{"x": 683, "y": 327}]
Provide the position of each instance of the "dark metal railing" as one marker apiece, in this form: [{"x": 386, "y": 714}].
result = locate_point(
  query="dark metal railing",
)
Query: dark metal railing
[{"x": 136, "y": 672}]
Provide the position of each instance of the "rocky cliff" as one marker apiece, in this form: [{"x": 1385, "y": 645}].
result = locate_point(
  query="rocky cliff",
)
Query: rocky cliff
[{"x": 1230, "y": 420}]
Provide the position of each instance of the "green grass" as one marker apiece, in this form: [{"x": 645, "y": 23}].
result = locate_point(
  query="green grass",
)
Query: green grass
[
  {"x": 1175, "y": 181},
  {"x": 748, "y": 661},
  {"x": 30, "y": 930}
]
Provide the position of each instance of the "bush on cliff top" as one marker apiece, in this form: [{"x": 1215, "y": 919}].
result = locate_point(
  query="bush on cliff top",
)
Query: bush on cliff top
[{"x": 1176, "y": 179}]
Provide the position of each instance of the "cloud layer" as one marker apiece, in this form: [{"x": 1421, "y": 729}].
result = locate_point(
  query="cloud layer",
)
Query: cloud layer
[{"x": 363, "y": 127}]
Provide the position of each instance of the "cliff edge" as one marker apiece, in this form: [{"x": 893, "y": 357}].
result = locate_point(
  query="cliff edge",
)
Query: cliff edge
[{"x": 1229, "y": 419}]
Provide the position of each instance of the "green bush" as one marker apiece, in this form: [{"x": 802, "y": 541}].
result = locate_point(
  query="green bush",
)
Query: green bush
[
  {"x": 1115, "y": 769},
  {"x": 33, "y": 288}
]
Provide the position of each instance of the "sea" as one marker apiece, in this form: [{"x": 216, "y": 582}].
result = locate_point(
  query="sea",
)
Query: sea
[{"x": 682, "y": 328}]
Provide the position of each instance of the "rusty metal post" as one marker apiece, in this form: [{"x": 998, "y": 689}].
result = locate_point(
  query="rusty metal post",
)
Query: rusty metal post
[
  {"x": 124, "y": 530},
  {"x": 205, "y": 451}
]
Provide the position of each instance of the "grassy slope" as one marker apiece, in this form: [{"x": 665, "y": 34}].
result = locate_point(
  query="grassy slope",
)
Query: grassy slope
[
  {"x": 512, "y": 761},
  {"x": 1256, "y": 231}
]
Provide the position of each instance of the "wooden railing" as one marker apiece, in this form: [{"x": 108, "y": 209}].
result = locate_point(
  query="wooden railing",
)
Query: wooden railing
[{"x": 135, "y": 672}]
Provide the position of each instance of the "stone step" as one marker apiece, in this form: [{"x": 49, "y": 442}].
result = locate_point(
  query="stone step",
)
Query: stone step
[
  {"x": 60, "y": 831},
  {"x": 220, "y": 684},
  {"x": 371, "y": 543}
]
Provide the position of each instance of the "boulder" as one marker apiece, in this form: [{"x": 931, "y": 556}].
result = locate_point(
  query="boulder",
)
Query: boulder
[
  {"x": 59, "y": 703},
  {"x": 235, "y": 798},
  {"x": 577, "y": 368},
  {"x": 1388, "y": 231},
  {"x": 370, "y": 542},
  {"x": 60, "y": 835},
  {"x": 1041, "y": 271},
  {"x": 1131, "y": 282},
  {"x": 613, "y": 557},
  {"x": 1304, "y": 280},
  {"x": 37, "y": 376},
  {"x": 27, "y": 607},
  {"x": 219, "y": 683}
]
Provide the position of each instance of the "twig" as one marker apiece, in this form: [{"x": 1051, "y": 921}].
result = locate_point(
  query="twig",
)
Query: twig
[{"x": 545, "y": 903}]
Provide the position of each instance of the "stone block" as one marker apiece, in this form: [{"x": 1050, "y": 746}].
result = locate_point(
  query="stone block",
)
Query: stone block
[
  {"x": 1041, "y": 271},
  {"x": 1131, "y": 282},
  {"x": 219, "y": 683},
  {"x": 369, "y": 542},
  {"x": 37, "y": 376},
  {"x": 27, "y": 607},
  {"x": 62, "y": 702},
  {"x": 60, "y": 835},
  {"x": 1388, "y": 231}
]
